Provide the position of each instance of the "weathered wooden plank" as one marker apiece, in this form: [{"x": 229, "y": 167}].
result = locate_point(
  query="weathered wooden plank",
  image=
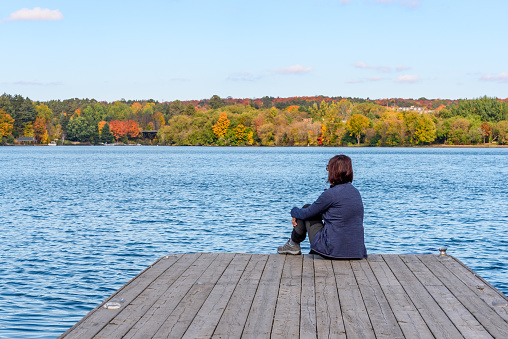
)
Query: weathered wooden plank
[
  {"x": 263, "y": 296},
  {"x": 408, "y": 317},
  {"x": 152, "y": 320},
  {"x": 329, "y": 321},
  {"x": 180, "y": 318},
  {"x": 99, "y": 317},
  {"x": 438, "y": 322},
  {"x": 235, "y": 315},
  {"x": 468, "y": 326},
  {"x": 478, "y": 285},
  {"x": 308, "y": 300},
  {"x": 131, "y": 313},
  {"x": 354, "y": 313},
  {"x": 260, "y": 318},
  {"x": 484, "y": 313},
  {"x": 286, "y": 322},
  {"x": 381, "y": 316},
  {"x": 207, "y": 318}
]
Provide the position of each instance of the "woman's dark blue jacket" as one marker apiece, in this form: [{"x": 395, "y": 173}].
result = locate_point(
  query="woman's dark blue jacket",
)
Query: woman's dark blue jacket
[{"x": 341, "y": 208}]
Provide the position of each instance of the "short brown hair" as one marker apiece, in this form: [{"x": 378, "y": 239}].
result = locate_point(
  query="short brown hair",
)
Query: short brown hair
[{"x": 340, "y": 170}]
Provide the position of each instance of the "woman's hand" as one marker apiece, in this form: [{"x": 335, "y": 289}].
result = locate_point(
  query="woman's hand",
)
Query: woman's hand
[{"x": 293, "y": 221}]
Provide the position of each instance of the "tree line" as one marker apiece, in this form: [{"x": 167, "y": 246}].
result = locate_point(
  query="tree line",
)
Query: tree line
[{"x": 268, "y": 121}]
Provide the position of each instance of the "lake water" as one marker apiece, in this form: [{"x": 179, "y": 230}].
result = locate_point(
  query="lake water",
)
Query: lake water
[{"x": 76, "y": 223}]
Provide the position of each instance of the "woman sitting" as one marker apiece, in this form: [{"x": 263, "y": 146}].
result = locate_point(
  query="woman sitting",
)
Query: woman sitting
[{"x": 340, "y": 208}]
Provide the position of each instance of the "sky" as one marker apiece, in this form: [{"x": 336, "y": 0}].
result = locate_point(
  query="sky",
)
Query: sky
[{"x": 192, "y": 49}]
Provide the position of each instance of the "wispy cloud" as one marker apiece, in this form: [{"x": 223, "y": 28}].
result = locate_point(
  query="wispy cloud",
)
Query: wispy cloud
[
  {"x": 296, "y": 69},
  {"x": 36, "y": 14},
  {"x": 355, "y": 81},
  {"x": 501, "y": 77},
  {"x": 345, "y": 1},
  {"x": 403, "y": 3},
  {"x": 363, "y": 65},
  {"x": 244, "y": 76},
  {"x": 360, "y": 81},
  {"x": 402, "y": 68},
  {"x": 407, "y": 78},
  {"x": 35, "y": 83}
]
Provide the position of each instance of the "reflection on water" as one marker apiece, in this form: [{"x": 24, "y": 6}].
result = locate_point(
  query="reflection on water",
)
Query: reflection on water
[{"x": 79, "y": 222}]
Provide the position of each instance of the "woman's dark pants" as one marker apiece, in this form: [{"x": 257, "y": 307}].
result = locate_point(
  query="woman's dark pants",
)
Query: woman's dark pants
[{"x": 310, "y": 226}]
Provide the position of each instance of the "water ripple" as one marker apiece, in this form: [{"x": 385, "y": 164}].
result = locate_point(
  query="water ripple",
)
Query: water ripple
[{"x": 78, "y": 223}]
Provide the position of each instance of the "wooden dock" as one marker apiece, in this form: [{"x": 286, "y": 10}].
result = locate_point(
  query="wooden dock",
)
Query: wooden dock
[{"x": 217, "y": 295}]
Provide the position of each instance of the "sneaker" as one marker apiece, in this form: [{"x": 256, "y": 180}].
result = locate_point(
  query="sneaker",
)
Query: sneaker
[{"x": 289, "y": 249}]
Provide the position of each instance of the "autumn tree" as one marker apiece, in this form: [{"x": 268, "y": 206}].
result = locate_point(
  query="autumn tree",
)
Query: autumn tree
[
  {"x": 40, "y": 131},
  {"x": 118, "y": 129},
  {"x": 486, "y": 131},
  {"x": 44, "y": 112},
  {"x": 28, "y": 130},
  {"x": 159, "y": 120},
  {"x": 131, "y": 129},
  {"x": 391, "y": 129},
  {"x": 177, "y": 131},
  {"x": 357, "y": 125},
  {"x": 6, "y": 124},
  {"x": 425, "y": 129},
  {"x": 220, "y": 128}
]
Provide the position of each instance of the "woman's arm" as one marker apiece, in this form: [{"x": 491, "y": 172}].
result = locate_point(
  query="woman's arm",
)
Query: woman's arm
[{"x": 319, "y": 206}]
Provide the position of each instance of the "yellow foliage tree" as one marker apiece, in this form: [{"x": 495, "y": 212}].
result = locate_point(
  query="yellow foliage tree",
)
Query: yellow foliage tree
[
  {"x": 220, "y": 128},
  {"x": 6, "y": 124},
  {"x": 357, "y": 125}
]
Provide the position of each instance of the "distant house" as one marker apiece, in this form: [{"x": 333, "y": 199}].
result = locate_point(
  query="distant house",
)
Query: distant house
[
  {"x": 149, "y": 134},
  {"x": 413, "y": 109},
  {"x": 26, "y": 140}
]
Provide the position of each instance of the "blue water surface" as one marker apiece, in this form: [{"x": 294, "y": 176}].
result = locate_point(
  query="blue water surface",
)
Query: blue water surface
[{"x": 77, "y": 223}]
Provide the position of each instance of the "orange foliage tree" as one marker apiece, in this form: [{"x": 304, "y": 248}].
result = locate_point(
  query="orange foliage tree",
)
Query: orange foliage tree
[
  {"x": 6, "y": 124},
  {"x": 220, "y": 128},
  {"x": 131, "y": 128},
  {"x": 40, "y": 131},
  {"x": 117, "y": 128},
  {"x": 120, "y": 129}
]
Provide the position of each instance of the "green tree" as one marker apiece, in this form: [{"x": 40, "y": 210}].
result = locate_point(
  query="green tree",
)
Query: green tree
[
  {"x": 106, "y": 136},
  {"x": 357, "y": 126},
  {"x": 189, "y": 110},
  {"x": 215, "y": 102},
  {"x": 79, "y": 129},
  {"x": 502, "y": 131}
]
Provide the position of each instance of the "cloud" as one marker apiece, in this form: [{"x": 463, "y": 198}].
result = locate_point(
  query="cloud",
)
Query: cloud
[
  {"x": 345, "y": 1},
  {"x": 501, "y": 77},
  {"x": 35, "y": 83},
  {"x": 402, "y": 68},
  {"x": 363, "y": 65},
  {"x": 403, "y": 3},
  {"x": 296, "y": 69},
  {"x": 410, "y": 3},
  {"x": 36, "y": 14},
  {"x": 244, "y": 76},
  {"x": 355, "y": 81},
  {"x": 360, "y": 81},
  {"x": 407, "y": 78}
]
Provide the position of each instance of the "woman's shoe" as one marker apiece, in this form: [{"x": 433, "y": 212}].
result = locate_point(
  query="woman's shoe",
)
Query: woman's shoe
[{"x": 289, "y": 249}]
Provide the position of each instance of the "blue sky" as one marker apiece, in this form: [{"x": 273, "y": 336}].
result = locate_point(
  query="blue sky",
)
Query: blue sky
[{"x": 193, "y": 49}]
